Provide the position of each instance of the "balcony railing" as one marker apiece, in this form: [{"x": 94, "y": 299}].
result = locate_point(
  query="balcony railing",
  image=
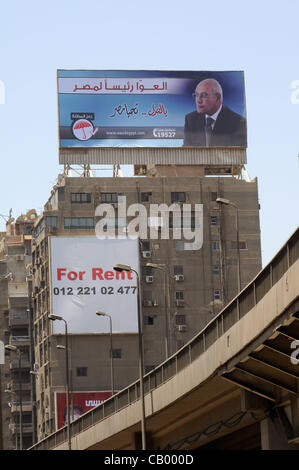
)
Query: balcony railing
[
  {"x": 17, "y": 319},
  {"x": 26, "y": 406},
  {"x": 20, "y": 340}
]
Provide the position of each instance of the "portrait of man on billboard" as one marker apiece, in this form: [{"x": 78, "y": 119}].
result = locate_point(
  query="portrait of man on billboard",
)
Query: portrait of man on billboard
[{"x": 213, "y": 124}]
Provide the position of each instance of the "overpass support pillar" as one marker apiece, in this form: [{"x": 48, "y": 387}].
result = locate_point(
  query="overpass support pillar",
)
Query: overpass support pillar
[
  {"x": 274, "y": 433},
  {"x": 295, "y": 415}
]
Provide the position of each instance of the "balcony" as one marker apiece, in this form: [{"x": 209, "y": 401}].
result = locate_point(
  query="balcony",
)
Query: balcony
[
  {"x": 15, "y": 387},
  {"x": 26, "y": 407},
  {"x": 27, "y": 428},
  {"x": 18, "y": 319},
  {"x": 14, "y": 364},
  {"x": 14, "y": 240},
  {"x": 18, "y": 294},
  {"x": 20, "y": 340}
]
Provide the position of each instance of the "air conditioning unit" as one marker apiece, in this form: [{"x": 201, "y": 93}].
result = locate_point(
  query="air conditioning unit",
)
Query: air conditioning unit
[
  {"x": 52, "y": 229},
  {"x": 182, "y": 328},
  {"x": 180, "y": 303},
  {"x": 179, "y": 277},
  {"x": 149, "y": 279},
  {"x": 146, "y": 254},
  {"x": 147, "y": 303},
  {"x": 20, "y": 257}
]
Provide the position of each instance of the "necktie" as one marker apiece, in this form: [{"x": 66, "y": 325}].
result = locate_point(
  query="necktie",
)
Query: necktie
[{"x": 208, "y": 130}]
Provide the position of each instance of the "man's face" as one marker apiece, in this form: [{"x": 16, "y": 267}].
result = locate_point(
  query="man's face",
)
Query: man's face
[{"x": 207, "y": 102}]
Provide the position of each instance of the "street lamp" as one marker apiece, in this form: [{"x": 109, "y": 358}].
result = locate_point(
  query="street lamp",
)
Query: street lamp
[
  {"x": 226, "y": 202},
  {"x": 120, "y": 268},
  {"x": 61, "y": 347},
  {"x": 103, "y": 314},
  {"x": 162, "y": 267},
  {"x": 53, "y": 318},
  {"x": 10, "y": 347}
]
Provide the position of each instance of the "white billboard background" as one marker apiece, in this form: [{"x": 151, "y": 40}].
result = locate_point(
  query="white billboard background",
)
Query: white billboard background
[{"x": 83, "y": 281}]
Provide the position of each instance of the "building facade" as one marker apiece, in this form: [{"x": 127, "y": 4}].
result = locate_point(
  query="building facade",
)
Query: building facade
[
  {"x": 175, "y": 304},
  {"x": 15, "y": 329}
]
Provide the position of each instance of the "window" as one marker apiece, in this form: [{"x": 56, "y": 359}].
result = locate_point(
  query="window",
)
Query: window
[
  {"x": 145, "y": 197},
  {"x": 116, "y": 353},
  {"x": 109, "y": 198},
  {"x": 217, "y": 294},
  {"x": 51, "y": 221},
  {"x": 216, "y": 269},
  {"x": 115, "y": 222},
  {"x": 149, "y": 368},
  {"x": 182, "y": 222},
  {"x": 180, "y": 319},
  {"x": 79, "y": 222},
  {"x": 80, "y": 197},
  {"x": 213, "y": 196},
  {"x": 147, "y": 295},
  {"x": 147, "y": 271},
  {"x": 146, "y": 246},
  {"x": 179, "y": 295},
  {"x": 81, "y": 371},
  {"x": 178, "y": 197},
  {"x": 178, "y": 270},
  {"x": 213, "y": 220},
  {"x": 242, "y": 245},
  {"x": 148, "y": 320},
  {"x": 215, "y": 245},
  {"x": 180, "y": 246}
]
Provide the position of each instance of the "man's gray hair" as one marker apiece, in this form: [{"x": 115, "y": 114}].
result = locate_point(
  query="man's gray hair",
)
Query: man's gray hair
[{"x": 216, "y": 87}]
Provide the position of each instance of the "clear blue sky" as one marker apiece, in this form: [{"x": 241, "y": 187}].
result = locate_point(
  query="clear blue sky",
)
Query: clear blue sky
[{"x": 259, "y": 37}]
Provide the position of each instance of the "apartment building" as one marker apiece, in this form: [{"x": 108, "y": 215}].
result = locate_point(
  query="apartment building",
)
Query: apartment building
[
  {"x": 175, "y": 306},
  {"x": 17, "y": 392}
]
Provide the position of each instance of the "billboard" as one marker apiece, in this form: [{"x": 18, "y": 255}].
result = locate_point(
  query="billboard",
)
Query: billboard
[
  {"x": 157, "y": 109},
  {"x": 80, "y": 403},
  {"x": 83, "y": 281}
]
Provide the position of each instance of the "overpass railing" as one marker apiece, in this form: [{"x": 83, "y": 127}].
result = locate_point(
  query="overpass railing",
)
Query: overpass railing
[{"x": 231, "y": 314}]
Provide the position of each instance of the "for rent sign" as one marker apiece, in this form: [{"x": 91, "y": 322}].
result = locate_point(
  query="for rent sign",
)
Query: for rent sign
[{"x": 83, "y": 281}]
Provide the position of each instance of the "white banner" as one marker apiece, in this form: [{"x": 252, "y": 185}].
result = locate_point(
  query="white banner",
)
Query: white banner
[{"x": 83, "y": 281}]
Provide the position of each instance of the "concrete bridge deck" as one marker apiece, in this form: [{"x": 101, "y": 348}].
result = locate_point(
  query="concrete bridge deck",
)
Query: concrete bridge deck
[{"x": 234, "y": 380}]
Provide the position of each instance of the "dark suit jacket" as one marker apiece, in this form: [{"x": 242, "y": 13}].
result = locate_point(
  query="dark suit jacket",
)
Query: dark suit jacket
[{"x": 229, "y": 130}]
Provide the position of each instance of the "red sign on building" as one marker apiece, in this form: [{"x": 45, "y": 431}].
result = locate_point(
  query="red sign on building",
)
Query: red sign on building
[{"x": 80, "y": 403}]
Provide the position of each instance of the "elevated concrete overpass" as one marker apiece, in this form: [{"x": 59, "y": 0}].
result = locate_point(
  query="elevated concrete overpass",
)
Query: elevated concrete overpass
[{"x": 235, "y": 385}]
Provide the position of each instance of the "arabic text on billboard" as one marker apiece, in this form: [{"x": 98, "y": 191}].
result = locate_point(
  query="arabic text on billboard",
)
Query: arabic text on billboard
[{"x": 80, "y": 403}]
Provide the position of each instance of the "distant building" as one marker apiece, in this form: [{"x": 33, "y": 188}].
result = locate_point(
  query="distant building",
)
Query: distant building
[{"x": 15, "y": 329}]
